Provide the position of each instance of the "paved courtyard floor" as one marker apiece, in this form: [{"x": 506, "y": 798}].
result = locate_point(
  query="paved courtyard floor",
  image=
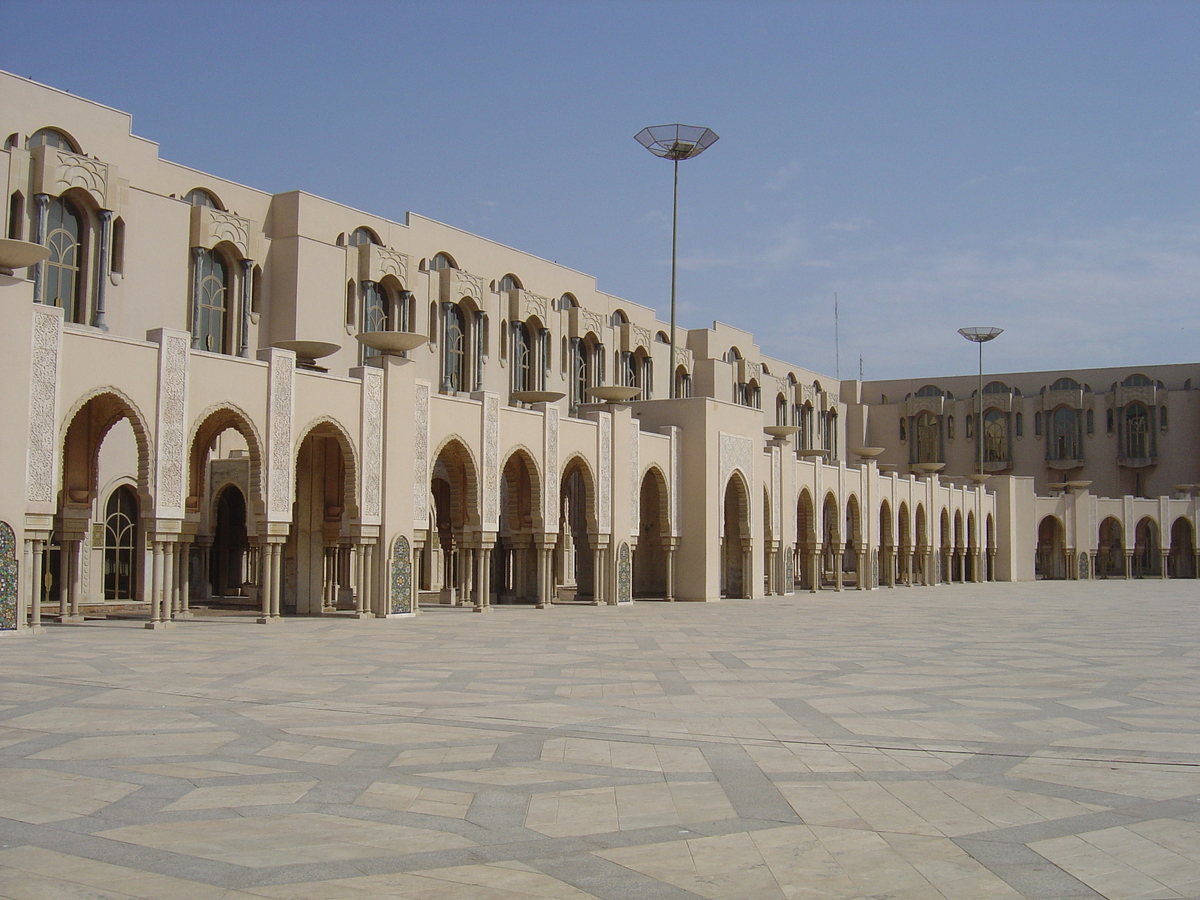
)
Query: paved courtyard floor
[{"x": 976, "y": 741}]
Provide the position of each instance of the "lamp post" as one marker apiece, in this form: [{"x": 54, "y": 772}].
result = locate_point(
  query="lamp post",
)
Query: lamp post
[
  {"x": 980, "y": 336},
  {"x": 675, "y": 142}
]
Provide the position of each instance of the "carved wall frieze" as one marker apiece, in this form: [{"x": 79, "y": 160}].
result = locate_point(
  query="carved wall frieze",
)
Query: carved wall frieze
[
  {"x": 421, "y": 454},
  {"x": 43, "y": 405},
  {"x": 372, "y": 444},
  {"x": 604, "y": 492},
  {"x": 551, "y": 489},
  {"x": 214, "y": 226},
  {"x": 58, "y": 171},
  {"x": 491, "y": 462},
  {"x": 735, "y": 454},
  {"x": 456, "y": 284},
  {"x": 172, "y": 422},
  {"x": 635, "y": 481},
  {"x": 281, "y": 410}
]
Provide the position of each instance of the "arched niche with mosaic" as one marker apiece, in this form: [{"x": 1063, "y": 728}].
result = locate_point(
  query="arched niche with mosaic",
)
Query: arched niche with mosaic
[
  {"x": 401, "y": 577},
  {"x": 8, "y": 578},
  {"x": 1085, "y": 568},
  {"x": 624, "y": 574},
  {"x": 789, "y": 573}
]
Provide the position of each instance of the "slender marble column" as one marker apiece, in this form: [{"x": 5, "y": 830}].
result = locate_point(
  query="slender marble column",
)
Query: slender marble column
[
  {"x": 1165, "y": 558},
  {"x": 197, "y": 255},
  {"x": 170, "y": 599},
  {"x": 185, "y": 579},
  {"x": 837, "y": 570},
  {"x": 597, "y": 576},
  {"x": 264, "y": 588},
  {"x": 247, "y": 283},
  {"x": 368, "y": 583},
  {"x": 156, "y": 570},
  {"x": 543, "y": 577},
  {"x": 102, "y": 282},
  {"x": 276, "y": 581},
  {"x": 41, "y": 201},
  {"x": 671, "y": 574},
  {"x": 35, "y": 586}
]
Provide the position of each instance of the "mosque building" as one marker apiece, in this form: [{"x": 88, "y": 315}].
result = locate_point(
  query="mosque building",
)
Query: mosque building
[{"x": 218, "y": 395}]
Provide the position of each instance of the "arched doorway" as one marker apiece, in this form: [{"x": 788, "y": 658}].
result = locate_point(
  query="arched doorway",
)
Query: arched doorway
[
  {"x": 454, "y": 515},
  {"x": 516, "y": 573},
  {"x": 973, "y": 567},
  {"x": 1147, "y": 562},
  {"x": 736, "y": 562},
  {"x": 1110, "y": 550},
  {"x": 121, "y": 545},
  {"x": 853, "y": 568},
  {"x": 575, "y": 556},
  {"x": 831, "y": 544},
  {"x": 924, "y": 550},
  {"x": 887, "y": 547},
  {"x": 1181, "y": 562},
  {"x": 943, "y": 570},
  {"x": 991, "y": 548},
  {"x": 105, "y": 432},
  {"x": 650, "y": 576},
  {"x": 907, "y": 550},
  {"x": 323, "y": 562},
  {"x": 1051, "y": 559},
  {"x": 225, "y": 452},
  {"x": 807, "y": 546},
  {"x": 228, "y": 569},
  {"x": 958, "y": 566}
]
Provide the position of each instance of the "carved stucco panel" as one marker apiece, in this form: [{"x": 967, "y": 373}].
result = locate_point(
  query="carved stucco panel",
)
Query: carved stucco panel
[
  {"x": 635, "y": 484},
  {"x": 372, "y": 443},
  {"x": 676, "y": 480},
  {"x": 172, "y": 424},
  {"x": 74, "y": 171},
  {"x": 551, "y": 486},
  {"x": 735, "y": 453},
  {"x": 392, "y": 262},
  {"x": 43, "y": 405},
  {"x": 223, "y": 226},
  {"x": 283, "y": 366},
  {"x": 491, "y": 462},
  {"x": 604, "y": 498},
  {"x": 421, "y": 455}
]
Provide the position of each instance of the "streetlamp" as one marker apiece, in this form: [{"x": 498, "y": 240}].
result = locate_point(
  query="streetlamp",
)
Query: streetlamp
[
  {"x": 980, "y": 336},
  {"x": 675, "y": 142}
]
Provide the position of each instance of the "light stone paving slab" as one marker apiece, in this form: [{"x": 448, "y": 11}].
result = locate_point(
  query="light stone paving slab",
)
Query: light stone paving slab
[{"x": 975, "y": 741}]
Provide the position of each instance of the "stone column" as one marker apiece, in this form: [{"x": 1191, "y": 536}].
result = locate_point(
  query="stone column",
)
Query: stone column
[
  {"x": 197, "y": 255},
  {"x": 670, "y": 547},
  {"x": 815, "y": 554},
  {"x": 276, "y": 579},
  {"x": 748, "y": 572},
  {"x": 185, "y": 581},
  {"x": 170, "y": 599},
  {"x": 990, "y": 574},
  {"x": 865, "y": 578},
  {"x": 543, "y": 576},
  {"x": 1165, "y": 556},
  {"x": 485, "y": 578},
  {"x": 837, "y": 568},
  {"x": 101, "y": 282},
  {"x": 157, "y": 618},
  {"x": 247, "y": 295},
  {"x": 33, "y": 552},
  {"x": 265, "y": 582},
  {"x": 772, "y": 586},
  {"x": 368, "y": 582},
  {"x": 597, "y": 575},
  {"x": 41, "y": 201},
  {"x": 1128, "y": 564}
]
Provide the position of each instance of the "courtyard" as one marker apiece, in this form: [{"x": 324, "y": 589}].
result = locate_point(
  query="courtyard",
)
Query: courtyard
[{"x": 998, "y": 740}]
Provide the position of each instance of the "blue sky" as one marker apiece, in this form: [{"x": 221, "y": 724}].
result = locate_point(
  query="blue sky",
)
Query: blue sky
[{"x": 1032, "y": 165}]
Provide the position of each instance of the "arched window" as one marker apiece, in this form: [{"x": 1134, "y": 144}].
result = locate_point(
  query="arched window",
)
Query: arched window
[
  {"x": 1109, "y": 421},
  {"x": 374, "y": 312},
  {"x": 1020, "y": 422},
  {"x": 201, "y": 197},
  {"x": 928, "y": 445},
  {"x": 950, "y": 427},
  {"x": 361, "y": 236},
  {"x": 1037, "y": 424},
  {"x": 1137, "y": 443},
  {"x": 212, "y": 301},
  {"x": 903, "y": 429},
  {"x": 1063, "y": 443},
  {"x": 509, "y": 283},
  {"x": 995, "y": 437},
  {"x": 683, "y": 383},
  {"x": 63, "y": 269},
  {"x": 120, "y": 544},
  {"x": 1091, "y": 422},
  {"x": 454, "y": 349},
  {"x": 441, "y": 261},
  {"x": 51, "y": 137},
  {"x": 522, "y": 358},
  {"x": 781, "y": 409}
]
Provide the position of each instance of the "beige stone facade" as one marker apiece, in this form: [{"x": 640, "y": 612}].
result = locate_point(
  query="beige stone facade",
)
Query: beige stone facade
[{"x": 191, "y": 416}]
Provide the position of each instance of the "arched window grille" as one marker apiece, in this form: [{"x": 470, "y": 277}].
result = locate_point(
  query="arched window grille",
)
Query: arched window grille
[
  {"x": 522, "y": 358},
  {"x": 374, "y": 311},
  {"x": 995, "y": 437},
  {"x": 1063, "y": 443},
  {"x": 212, "y": 302},
  {"x": 120, "y": 544},
  {"x": 928, "y": 445},
  {"x": 63, "y": 269},
  {"x": 454, "y": 371},
  {"x": 578, "y": 373},
  {"x": 51, "y": 137},
  {"x": 201, "y": 197},
  {"x": 1137, "y": 439}
]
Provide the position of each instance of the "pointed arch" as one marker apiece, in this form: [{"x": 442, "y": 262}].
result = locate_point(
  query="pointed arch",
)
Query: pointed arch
[
  {"x": 521, "y": 481},
  {"x": 83, "y": 430},
  {"x": 327, "y": 425},
  {"x": 736, "y": 543},
  {"x": 454, "y": 462},
  {"x": 204, "y": 430}
]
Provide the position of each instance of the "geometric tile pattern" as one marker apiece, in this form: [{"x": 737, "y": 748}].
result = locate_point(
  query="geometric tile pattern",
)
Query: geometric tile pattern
[{"x": 981, "y": 741}]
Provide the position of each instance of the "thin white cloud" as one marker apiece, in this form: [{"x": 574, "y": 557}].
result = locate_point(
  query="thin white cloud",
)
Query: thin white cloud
[
  {"x": 856, "y": 224},
  {"x": 783, "y": 176}
]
